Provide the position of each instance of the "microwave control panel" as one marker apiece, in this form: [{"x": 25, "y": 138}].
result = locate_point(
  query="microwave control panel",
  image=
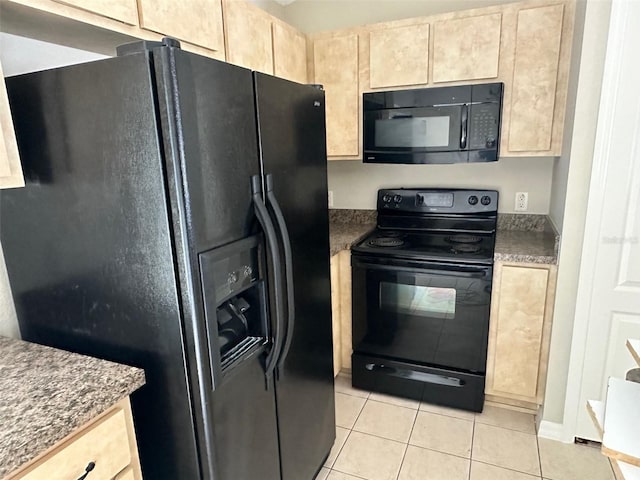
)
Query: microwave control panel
[{"x": 484, "y": 122}]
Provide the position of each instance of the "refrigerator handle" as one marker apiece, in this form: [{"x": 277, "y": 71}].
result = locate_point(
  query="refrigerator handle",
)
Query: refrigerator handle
[
  {"x": 264, "y": 219},
  {"x": 288, "y": 262}
]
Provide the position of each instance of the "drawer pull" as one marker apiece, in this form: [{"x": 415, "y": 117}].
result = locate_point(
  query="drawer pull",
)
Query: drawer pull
[{"x": 87, "y": 470}]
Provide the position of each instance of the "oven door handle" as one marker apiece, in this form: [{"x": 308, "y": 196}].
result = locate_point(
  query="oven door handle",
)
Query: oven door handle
[{"x": 450, "y": 270}]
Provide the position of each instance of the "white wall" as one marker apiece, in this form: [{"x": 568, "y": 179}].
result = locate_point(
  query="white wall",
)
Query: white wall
[
  {"x": 570, "y": 194},
  {"x": 355, "y": 184},
  {"x": 271, "y": 7},
  {"x": 317, "y": 15},
  {"x": 21, "y": 55}
]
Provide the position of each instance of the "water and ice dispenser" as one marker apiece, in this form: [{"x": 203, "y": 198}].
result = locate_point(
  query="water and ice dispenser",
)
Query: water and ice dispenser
[{"x": 235, "y": 303}]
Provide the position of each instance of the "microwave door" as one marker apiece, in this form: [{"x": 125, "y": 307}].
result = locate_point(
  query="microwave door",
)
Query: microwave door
[{"x": 427, "y": 129}]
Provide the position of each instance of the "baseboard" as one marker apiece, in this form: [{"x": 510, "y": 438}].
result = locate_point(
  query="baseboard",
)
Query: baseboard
[{"x": 553, "y": 431}]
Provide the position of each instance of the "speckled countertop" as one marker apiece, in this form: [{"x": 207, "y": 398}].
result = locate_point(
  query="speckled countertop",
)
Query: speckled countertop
[
  {"x": 348, "y": 226},
  {"x": 525, "y": 238},
  {"x": 520, "y": 238},
  {"x": 46, "y": 394}
]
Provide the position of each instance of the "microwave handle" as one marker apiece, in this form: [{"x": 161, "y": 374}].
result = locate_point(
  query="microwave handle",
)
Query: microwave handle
[{"x": 463, "y": 131}]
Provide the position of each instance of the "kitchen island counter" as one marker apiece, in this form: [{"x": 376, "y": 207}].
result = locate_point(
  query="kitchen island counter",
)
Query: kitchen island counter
[{"x": 46, "y": 394}]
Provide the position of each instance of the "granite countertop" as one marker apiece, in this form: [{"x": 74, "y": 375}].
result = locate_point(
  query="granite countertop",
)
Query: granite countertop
[
  {"x": 526, "y": 238},
  {"x": 346, "y": 227},
  {"x": 46, "y": 394},
  {"x": 521, "y": 238}
]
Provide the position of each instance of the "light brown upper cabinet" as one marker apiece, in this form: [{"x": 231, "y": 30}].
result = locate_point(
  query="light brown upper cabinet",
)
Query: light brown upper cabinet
[
  {"x": 289, "y": 53},
  {"x": 335, "y": 64},
  {"x": 194, "y": 21},
  {"x": 10, "y": 168},
  {"x": 248, "y": 32},
  {"x": 125, "y": 11},
  {"x": 399, "y": 56},
  {"x": 466, "y": 48},
  {"x": 535, "y": 75},
  {"x": 519, "y": 332}
]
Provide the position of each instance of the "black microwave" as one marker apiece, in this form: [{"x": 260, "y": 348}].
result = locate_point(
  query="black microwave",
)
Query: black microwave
[{"x": 433, "y": 125}]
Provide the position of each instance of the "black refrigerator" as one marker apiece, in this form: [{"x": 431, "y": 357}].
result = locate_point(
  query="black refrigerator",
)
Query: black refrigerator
[{"x": 175, "y": 219}]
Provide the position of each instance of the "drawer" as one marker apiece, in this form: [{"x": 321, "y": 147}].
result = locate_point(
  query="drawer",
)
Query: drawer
[
  {"x": 126, "y": 475},
  {"x": 105, "y": 442}
]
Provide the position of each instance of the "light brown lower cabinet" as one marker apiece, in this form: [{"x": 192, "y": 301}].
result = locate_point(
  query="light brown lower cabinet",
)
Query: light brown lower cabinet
[
  {"x": 108, "y": 442},
  {"x": 127, "y": 474},
  {"x": 335, "y": 313},
  {"x": 519, "y": 333},
  {"x": 341, "y": 310}
]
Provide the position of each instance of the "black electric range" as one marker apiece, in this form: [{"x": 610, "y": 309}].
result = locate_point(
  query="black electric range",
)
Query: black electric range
[{"x": 421, "y": 286}]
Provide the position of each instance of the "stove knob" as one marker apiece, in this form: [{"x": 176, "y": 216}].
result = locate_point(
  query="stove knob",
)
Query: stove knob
[
  {"x": 473, "y": 200},
  {"x": 397, "y": 198},
  {"x": 485, "y": 200},
  {"x": 386, "y": 198}
]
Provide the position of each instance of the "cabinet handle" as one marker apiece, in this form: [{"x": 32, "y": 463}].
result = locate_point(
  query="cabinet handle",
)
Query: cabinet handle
[{"x": 87, "y": 470}]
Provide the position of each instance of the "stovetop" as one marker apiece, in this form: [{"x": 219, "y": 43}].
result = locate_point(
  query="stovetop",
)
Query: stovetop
[
  {"x": 451, "y": 225},
  {"x": 458, "y": 247}
]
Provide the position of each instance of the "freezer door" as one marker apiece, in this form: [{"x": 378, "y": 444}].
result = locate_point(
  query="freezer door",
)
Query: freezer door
[
  {"x": 210, "y": 142},
  {"x": 291, "y": 124},
  {"x": 88, "y": 244}
]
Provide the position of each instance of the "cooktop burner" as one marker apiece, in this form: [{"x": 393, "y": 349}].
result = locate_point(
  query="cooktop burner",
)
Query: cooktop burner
[
  {"x": 464, "y": 238},
  {"x": 466, "y": 248},
  {"x": 391, "y": 241}
]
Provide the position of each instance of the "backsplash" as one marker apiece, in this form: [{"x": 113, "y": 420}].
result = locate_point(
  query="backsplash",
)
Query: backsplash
[
  {"x": 524, "y": 221},
  {"x": 347, "y": 215}
]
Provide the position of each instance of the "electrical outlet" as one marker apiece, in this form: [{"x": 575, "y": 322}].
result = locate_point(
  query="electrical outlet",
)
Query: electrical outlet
[
  {"x": 522, "y": 201},
  {"x": 330, "y": 198}
]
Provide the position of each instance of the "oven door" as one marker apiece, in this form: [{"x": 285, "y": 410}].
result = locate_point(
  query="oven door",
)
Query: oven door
[{"x": 434, "y": 314}]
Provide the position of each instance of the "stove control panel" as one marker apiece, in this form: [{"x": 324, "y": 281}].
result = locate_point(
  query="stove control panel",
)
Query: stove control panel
[{"x": 437, "y": 200}]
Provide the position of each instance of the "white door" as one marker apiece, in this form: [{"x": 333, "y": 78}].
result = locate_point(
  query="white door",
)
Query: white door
[{"x": 609, "y": 289}]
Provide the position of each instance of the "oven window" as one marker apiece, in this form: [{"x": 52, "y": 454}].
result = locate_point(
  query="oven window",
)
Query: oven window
[
  {"x": 434, "y": 302},
  {"x": 413, "y": 132}
]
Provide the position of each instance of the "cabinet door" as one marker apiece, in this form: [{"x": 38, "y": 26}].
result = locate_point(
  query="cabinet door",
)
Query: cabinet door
[
  {"x": 10, "y": 168},
  {"x": 345, "y": 309},
  {"x": 105, "y": 443},
  {"x": 248, "y": 33},
  {"x": 127, "y": 474},
  {"x": 533, "y": 97},
  {"x": 335, "y": 312},
  {"x": 123, "y": 10},
  {"x": 194, "y": 21},
  {"x": 399, "y": 56},
  {"x": 289, "y": 54},
  {"x": 518, "y": 332},
  {"x": 466, "y": 48},
  {"x": 335, "y": 63}
]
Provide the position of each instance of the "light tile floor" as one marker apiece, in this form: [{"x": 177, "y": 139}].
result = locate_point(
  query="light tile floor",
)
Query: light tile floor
[{"x": 380, "y": 437}]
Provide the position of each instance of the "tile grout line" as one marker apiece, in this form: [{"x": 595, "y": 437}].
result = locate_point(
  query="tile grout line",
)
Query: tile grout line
[
  {"x": 473, "y": 435},
  {"x": 406, "y": 447},
  {"x": 539, "y": 456},
  {"x": 340, "y": 451},
  {"x": 507, "y": 468}
]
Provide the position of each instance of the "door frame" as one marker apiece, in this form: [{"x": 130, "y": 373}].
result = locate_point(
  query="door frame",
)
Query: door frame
[{"x": 619, "y": 34}]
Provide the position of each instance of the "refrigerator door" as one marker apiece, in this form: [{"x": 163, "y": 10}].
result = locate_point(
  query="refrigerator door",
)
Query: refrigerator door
[
  {"x": 291, "y": 125},
  {"x": 87, "y": 243},
  {"x": 210, "y": 141}
]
